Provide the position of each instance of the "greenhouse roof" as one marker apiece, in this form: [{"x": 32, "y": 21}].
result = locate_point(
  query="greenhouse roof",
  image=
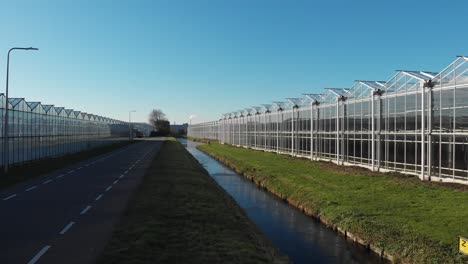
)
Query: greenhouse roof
[
  {"x": 403, "y": 81},
  {"x": 454, "y": 74},
  {"x": 362, "y": 89},
  {"x": 332, "y": 94},
  {"x": 15, "y": 101},
  {"x": 421, "y": 75},
  {"x": 47, "y": 107},
  {"x": 33, "y": 105},
  {"x": 279, "y": 105},
  {"x": 295, "y": 102}
]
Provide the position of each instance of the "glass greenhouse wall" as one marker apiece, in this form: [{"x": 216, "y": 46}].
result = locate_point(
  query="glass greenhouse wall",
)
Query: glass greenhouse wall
[
  {"x": 37, "y": 131},
  {"x": 414, "y": 123}
]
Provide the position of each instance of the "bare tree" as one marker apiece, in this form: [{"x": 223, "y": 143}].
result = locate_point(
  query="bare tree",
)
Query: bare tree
[{"x": 155, "y": 116}]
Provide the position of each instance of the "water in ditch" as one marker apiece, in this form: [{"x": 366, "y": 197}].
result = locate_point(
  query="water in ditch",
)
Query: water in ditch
[{"x": 300, "y": 237}]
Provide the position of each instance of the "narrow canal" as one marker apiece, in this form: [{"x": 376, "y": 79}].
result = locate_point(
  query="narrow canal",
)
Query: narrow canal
[{"x": 300, "y": 237}]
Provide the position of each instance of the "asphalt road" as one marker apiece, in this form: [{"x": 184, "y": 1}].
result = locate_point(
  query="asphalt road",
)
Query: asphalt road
[{"x": 67, "y": 216}]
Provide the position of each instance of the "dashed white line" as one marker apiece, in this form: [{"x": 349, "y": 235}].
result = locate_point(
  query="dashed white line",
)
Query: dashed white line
[
  {"x": 71, "y": 171},
  {"x": 9, "y": 197},
  {"x": 125, "y": 172},
  {"x": 116, "y": 181},
  {"x": 121, "y": 176},
  {"x": 32, "y": 188},
  {"x": 46, "y": 182},
  {"x": 79, "y": 168},
  {"x": 85, "y": 210},
  {"x": 66, "y": 228},
  {"x": 99, "y": 197},
  {"x": 108, "y": 188},
  {"x": 60, "y": 176},
  {"x": 39, "y": 255}
]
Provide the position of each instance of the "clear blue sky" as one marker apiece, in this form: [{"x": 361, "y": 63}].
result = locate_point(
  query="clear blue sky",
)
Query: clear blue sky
[{"x": 208, "y": 57}]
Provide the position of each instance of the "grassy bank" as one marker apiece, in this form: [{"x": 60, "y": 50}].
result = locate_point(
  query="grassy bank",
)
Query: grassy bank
[
  {"x": 179, "y": 214},
  {"x": 413, "y": 221},
  {"x": 33, "y": 169},
  {"x": 202, "y": 140}
]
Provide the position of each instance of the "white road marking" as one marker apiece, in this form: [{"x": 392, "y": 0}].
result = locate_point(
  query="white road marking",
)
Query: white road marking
[
  {"x": 79, "y": 168},
  {"x": 116, "y": 181},
  {"x": 32, "y": 188},
  {"x": 85, "y": 210},
  {"x": 125, "y": 172},
  {"x": 99, "y": 197},
  {"x": 46, "y": 182},
  {"x": 39, "y": 255},
  {"x": 121, "y": 176},
  {"x": 71, "y": 171},
  {"x": 108, "y": 188},
  {"x": 9, "y": 197},
  {"x": 64, "y": 230},
  {"x": 60, "y": 176}
]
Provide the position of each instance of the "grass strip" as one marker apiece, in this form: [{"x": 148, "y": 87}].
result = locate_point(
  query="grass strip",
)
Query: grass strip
[
  {"x": 179, "y": 214},
  {"x": 33, "y": 169},
  {"x": 414, "y": 221}
]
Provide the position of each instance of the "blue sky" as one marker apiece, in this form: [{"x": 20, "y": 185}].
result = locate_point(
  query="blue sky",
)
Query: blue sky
[{"x": 208, "y": 57}]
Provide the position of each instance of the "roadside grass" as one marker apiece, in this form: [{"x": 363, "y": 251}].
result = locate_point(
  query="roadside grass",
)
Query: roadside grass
[
  {"x": 33, "y": 169},
  {"x": 179, "y": 214},
  {"x": 414, "y": 221}
]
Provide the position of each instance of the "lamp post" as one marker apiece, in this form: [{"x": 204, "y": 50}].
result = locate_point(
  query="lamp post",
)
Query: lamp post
[
  {"x": 130, "y": 134},
  {"x": 5, "y": 124}
]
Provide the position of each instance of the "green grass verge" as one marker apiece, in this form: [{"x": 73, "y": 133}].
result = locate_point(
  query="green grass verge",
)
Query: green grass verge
[
  {"x": 179, "y": 214},
  {"x": 414, "y": 221},
  {"x": 37, "y": 168}
]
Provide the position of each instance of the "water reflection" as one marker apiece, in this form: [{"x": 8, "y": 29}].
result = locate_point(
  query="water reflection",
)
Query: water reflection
[{"x": 300, "y": 237}]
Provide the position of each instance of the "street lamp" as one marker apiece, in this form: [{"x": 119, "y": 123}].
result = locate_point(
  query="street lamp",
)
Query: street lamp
[
  {"x": 130, "y": 123},
  {"x": 5, "y": 125}
]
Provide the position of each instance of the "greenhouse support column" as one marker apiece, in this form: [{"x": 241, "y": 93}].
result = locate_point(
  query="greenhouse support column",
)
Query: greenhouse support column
[
  {"x": 246, "y": 138},
  {"x": 255, "y": 130},
  {"x": 292, "y": 132},
  {"x": 423, "y": 133},
  {"x": 277, "y": 131},
  {"x": 311, "y": 131},
  {"x": 265, "y": 133},
  {"x": 337, "y": 127},
  {"x": 372, "y": 132},
  {"x": 239, "y": 125},
  {"x": 429, "y": 135},
  {"x": 378, "y": 131}
]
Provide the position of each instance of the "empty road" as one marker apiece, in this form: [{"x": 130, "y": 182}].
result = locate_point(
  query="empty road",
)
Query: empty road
[{"x": 67, "y": 216}]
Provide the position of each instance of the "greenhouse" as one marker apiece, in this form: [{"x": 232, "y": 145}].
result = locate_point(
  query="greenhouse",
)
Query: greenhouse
[
  {"x": 38, "y": 131},
  {"x": 414, "y": 123}
]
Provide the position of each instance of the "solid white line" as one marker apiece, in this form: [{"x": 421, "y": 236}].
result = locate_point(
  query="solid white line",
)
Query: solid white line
[
  {"x": 46, "y": 182},
  {"x": 108, "y": 188},
  {"x": 99, "y": 197},
  {"x": 9, "y": 197},
  {"x": 85, "y": 210},
  {"x": 39, "y": 255},
  {"x": 32, "y": 188},
  {"x": 66, "y": 228}
]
